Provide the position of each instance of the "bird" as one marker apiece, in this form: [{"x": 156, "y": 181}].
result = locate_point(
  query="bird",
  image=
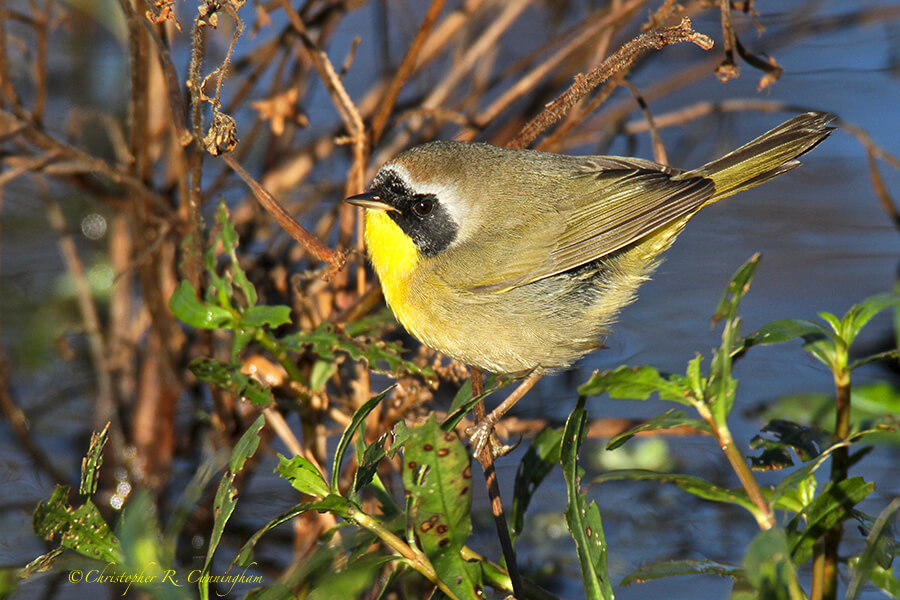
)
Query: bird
[{"x": 519, "y": 261}]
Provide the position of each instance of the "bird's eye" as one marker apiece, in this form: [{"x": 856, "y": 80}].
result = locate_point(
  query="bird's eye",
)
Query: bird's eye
[{"x": 423, "y": 206}]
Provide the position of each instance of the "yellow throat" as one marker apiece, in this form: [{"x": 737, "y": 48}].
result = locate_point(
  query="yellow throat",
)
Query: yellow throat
[{"x": 394, "y": 256}]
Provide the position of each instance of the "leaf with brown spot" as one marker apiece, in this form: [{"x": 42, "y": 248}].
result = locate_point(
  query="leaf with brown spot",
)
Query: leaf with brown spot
[{"x": 437, "y": 475}]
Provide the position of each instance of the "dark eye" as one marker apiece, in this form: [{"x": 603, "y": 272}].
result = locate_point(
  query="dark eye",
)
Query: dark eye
[{"x": 423, "y": 206}]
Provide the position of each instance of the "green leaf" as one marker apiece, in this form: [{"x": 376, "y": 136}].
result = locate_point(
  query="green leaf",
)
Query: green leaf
[
  {"x": 80, "y": 529},
  {"x": 539, "y": 460},
  {"x": 881, "y": 546},
  {"x": 807, "y": 442},
  {"x": 783, "y": 330},
  {"x": 226, "y": 495},
  {"x": 247, "y": 445},
  {"x": 802, "y": 478},
  {"x": 668, "y": 420},
  {"x": 768, "y": 567},
  {"x": 185, "y": 305},
  {"x": 860, "y": 314},
  {"x": 246, "y": 552},
  {"x": 676, "y": 568},
  {"x": 737, "y": 288},
  {"x": 229, "y": 378},
  {"x": 303, "y": 475},
  {"x": 262, "y": 315},
  {"x": 693, "y": 485},
  {"x": 886, "y": 355},
  {"x": 229, "y": 238},
  {"x": 90, "y": 465},
  {"x": 328, "y": 342},
  {"x": 358, "y": 417},
  {"x": 371, "y": 457},
  {"x": 275, "y": 591},
  {"x": 352, "y": 580},
  {"x": 582, "y": 518},
  {"x": 321, "y": 372},
  {"x": 832, "y": 506},
  {"x": 637, "y": 383},
  {"x": 825, "y": 350},
  {"x": 437, "y": 475},
  {"x": 145, "y": 553}
]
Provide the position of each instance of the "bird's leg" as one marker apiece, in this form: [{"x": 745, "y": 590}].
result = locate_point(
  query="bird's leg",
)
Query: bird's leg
[
  {"x": 480, "y": 433},
  {"x": 485, "y": 457}
]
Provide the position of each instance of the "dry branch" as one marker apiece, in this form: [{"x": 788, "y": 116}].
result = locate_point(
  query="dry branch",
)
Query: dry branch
[{"x": 620, "y": 61}]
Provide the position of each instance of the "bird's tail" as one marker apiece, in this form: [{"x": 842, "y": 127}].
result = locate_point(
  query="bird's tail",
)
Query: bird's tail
[{"x": 766, "y": 157}]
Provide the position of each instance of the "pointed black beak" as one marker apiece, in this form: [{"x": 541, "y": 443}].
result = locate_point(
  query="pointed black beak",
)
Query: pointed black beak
[{"x": 369, "y": 200}]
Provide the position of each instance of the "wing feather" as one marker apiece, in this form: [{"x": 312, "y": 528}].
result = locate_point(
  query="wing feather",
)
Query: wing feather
[{"x": 612, "y": 202}]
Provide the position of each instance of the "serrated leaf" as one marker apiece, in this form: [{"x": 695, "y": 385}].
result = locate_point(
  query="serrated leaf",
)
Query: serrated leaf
[
  {"x": 327, "y": 342},
  {"x": 90, "y": 465},
  {"x": 677, "y": 568},
  {"x": 81, "y": 529},
  {"x": 189, "y": 309},
  {"x": 229, "y": 378},
  {"x": 881, "y": 547},
  {"x": 582, "y": 518},
  {"x": 226, "y": 495},
  {"x": 768, "y": 567},
  {"x": 784, "y": 330},
  {"x": 688, "y": 483},
  {"x": 437, "y": 475},
  {"x": 303, "y": 475},
  {"x": 832, "y": 506},
  {"x": 358, "y": 417},
  {"x": 262, "y": 315},
  {"x": 540, "y": 458},
  {"x": 638, "y": 383},
  {"x": 668, "y": 420}
]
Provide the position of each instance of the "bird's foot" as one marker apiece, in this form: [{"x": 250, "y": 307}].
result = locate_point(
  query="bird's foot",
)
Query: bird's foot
[{"x": 482, "y": 433}]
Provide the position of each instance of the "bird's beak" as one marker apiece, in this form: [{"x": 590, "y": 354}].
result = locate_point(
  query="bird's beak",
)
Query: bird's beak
[{"x": 369, "y": 200}]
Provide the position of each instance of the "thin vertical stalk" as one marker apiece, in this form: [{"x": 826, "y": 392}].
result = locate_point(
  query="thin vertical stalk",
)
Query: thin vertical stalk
[{"x": 827, "y": 588}]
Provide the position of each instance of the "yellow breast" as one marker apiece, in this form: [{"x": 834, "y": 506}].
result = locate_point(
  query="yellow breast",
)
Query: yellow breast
[{"x": 394, "y": 257}]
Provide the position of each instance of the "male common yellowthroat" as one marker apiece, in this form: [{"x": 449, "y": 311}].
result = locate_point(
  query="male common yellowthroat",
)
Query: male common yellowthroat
[{"x": 516, "y": 260}]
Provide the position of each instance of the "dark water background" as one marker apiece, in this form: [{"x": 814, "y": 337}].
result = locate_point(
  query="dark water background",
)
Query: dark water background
[{"x": 826, "y": 243}]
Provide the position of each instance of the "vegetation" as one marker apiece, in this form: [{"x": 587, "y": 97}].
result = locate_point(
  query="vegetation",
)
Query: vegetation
[{"x": 208, "y": 341}]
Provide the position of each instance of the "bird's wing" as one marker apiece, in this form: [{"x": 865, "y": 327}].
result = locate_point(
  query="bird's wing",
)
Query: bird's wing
[{"x": 609, "y": 203}]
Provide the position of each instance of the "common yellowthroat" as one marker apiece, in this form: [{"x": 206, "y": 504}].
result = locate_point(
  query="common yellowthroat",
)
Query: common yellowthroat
[{"x": 517, "y": 260}]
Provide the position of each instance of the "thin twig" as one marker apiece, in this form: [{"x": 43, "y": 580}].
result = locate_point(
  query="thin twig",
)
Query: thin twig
[
  {"x": 287, "y": 222},
  {"x": 659, "y": 149},
  {"x": 389, "y": 99},
  {"x": 619, "y": 61}
]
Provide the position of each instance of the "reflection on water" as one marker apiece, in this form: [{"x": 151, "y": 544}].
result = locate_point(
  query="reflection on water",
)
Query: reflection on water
[{"x": 825, "y": 241}]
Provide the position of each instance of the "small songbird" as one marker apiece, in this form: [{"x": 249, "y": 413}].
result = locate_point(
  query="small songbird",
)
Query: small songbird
[{"x": 518, "y": 260}]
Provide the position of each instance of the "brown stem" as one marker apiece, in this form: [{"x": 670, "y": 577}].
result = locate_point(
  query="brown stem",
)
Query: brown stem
[
  {"x": 389, "y": 99},
  {"x": 619, "y": 61},
  {"x": 764, "y": 517},
  {"x": 295, "y": 229},
  {"x": 839, "y": 466},
  {"x": 486, "y": 460}
]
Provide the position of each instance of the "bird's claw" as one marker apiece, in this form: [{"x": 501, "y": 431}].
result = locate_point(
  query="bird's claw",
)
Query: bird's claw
[{"x": 483, "y": 433}]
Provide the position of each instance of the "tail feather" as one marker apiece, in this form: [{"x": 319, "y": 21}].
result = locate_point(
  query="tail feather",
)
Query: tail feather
[{"x": 766, "y": 157}]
